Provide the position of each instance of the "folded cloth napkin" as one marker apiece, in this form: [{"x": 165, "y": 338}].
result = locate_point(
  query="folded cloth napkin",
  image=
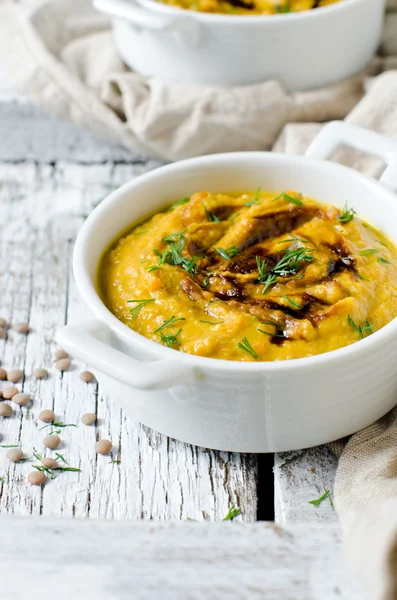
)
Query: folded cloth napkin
[{"x": 62, "y": 56}]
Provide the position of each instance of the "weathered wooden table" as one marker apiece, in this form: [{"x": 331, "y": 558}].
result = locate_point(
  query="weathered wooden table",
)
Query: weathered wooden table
[{"x": 51, "y": 176}]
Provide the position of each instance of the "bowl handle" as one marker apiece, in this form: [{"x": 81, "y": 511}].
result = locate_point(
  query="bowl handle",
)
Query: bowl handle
[
  {"x": 90, "y": 342},
  {"x": 337, "y": 134},
  {"x": 185, "y": 28}
]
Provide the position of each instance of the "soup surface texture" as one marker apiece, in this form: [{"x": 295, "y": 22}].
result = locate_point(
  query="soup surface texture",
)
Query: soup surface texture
[
  {"x": 258, "y": 276},
  {"x": 250, "y": 7}
]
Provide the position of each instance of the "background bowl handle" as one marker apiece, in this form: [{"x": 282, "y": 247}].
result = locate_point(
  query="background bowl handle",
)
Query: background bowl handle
[
  {"x": 90, "y": 342},
  {"x": 337, "y": 134},
  {"x": 185, "y": 28}
]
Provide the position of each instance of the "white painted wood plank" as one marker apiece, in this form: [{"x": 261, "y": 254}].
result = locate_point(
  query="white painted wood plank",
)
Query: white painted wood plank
[
  {"x": 42, "y": 207},
  {"x": 171, "y": 561},
  {"x": 300, "y": 477}
]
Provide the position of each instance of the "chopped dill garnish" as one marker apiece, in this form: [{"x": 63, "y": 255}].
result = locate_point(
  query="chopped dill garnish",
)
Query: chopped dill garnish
[
  {"x": 234, "y": 217},
  {"x": 227, "y": 253},
  {"x": 211, "y": 322},
  {"x": 141, "y": 303},
  {"x": 171, "y": 321},
  {"x": 347, "y": 214},
  {"x": 140, "y": 232},
  {"x": 282, "y": 8},
  {"x": 368, "y": 252},
  {"x": 291, "y": 301},
  {"x": 246, "y": 346},
  {"x": 170, "y": 340},
  {"x": 294, "y": 238},
  {"x": 367, "y": 327},
  {"x": 279, "y": 335},
  {"x": 10, "y": 445},
  {"x": 174, "y": 237},
  {"x": 59, "y": 456},
  {"x": 58, "y": 424},
  {"x": 173, "y": 254},
  {"x": 232, "y": 513},
  {"x": 384, "y": 260},
  {"x": 179, "y": 203},
  {"x": 361, "y": 276},
  {"x": 289, "y": 264},
  {"x": 288, "y": 198},
  {"x": 320, "y": 500},
  {"x": 152, "y": 268},
  {"x": 115, "y": 461},
  {"x": 210, "y": 215},
  {"x": 255, "y": 199}
]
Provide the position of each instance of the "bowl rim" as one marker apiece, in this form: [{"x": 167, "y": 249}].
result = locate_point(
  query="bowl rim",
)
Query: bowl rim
[
  {"x": 156, "y": 351},
  {"x": 222, "y": 19}
]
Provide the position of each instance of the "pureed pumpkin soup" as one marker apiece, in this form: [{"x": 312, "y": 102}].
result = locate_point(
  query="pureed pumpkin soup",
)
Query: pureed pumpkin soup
[
  {"x": 250, "y": 7},
  {"x": 252, "y": 277}
]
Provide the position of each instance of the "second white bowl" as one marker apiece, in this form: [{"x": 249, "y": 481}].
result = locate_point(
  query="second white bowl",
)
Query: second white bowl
[{"x": 302, "y": 50}]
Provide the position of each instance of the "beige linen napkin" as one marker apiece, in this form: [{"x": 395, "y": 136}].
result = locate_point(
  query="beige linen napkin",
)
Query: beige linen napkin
[{"x": 62, "y": 56}]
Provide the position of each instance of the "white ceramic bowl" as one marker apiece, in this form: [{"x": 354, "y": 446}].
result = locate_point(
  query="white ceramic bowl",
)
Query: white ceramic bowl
[
  {"x": 302, "y": 50},
  {"x": 247, "y": 407}
]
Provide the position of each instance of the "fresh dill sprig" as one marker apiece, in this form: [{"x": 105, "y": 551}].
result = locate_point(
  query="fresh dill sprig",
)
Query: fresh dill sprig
[
  {"x": 384, "y": 260},
  {"x": 58, "y": 424},
  {"x": 367, "y": 327},
  {"x": 279, "y": 335},
  {"x": 232, "y": 513},
  {"x": 255, "y": 199},
  {"x": 10, "y": 445},
  {"x": 289, "y": 264},
  {"x": 227, "y": 253},
  {"x": 368, "y": 252},
  {"x": 170, "y": 340},
  {"x": 347, "y": 214},
  {"x": 211, "y": 322},
  {"x": 210, "y": 215},
  {"x": 327, "y": 494},
  {"x": 179, "y": 203},
  {"x": 140, "y": 232},
  {"x": 140, "y": 304},
  {"x": 288, "y": 198},
  {"x": 246, "y": 347},
  {"x": 59, "y": 456},
  {"x": 291, "y": 301},
  {"x": 173, "y": 254},
  {"x": 168, "y": 322}
]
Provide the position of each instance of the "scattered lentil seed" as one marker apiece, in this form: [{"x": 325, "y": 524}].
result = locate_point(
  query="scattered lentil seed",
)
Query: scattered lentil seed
[
  {"x": 3, "y": 323},
  {"x": 87, "y": 376},
  {"x": 40, "y": 373},
  {"x": 63, "y": 364},
  {"x": 36, "y": 477},
  {"x": 9, "y": 392},
  {"x": 15, "y": 454},
  {"x": 59, "y": 354},
  {"x": 51, "y": 463},
  {"x": 21, "y": 399},
  {"x": 3, "y": 374},
  {"x": 103, "y": 446},
  {"x": 3, "y": 333},
  {"x": 15, "y": 375},
  {"x": 51, "y": 441},
  {"x": 47, "y": 416},
  {"x": 88, "y": 418},
  {"x": 21, "y": 327},
  {"x": 5, "y": 410}
]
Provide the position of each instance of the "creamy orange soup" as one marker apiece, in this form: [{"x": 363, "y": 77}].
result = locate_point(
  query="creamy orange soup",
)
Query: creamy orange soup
[
  {"x": 258, "y": 276},
  {"x": 250, "y": 7}
]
